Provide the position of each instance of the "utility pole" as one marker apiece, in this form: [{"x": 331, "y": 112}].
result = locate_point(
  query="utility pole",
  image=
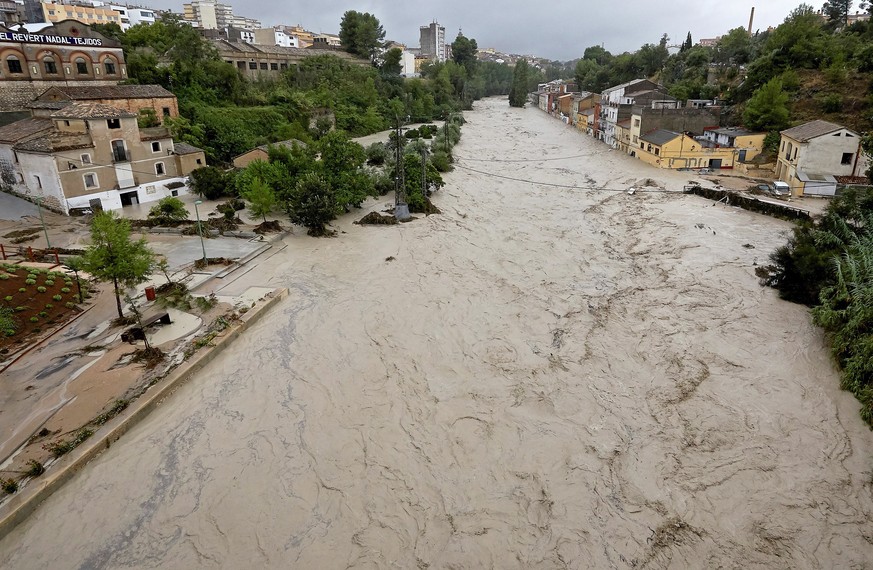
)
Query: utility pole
[
  {"x": 401, "y": 208},
  {"x": 424, "y": 173}
]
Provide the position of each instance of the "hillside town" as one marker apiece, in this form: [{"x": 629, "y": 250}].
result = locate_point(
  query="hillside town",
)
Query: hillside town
[{"x": 641, "y": 119}]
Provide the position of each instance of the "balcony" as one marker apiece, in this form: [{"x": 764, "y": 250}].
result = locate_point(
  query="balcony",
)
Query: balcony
[{"x": 120, "y": 155}]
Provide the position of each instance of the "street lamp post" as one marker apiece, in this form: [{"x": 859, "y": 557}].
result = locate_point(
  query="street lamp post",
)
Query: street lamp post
[
  {"x": 44, "y": 229},
  {"x": 200, "y": 228}
]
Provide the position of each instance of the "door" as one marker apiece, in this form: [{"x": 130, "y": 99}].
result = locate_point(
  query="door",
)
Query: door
[
  {"x": 715, "y": 163},
  {"x": 129, "y": 199},
  {"x": 742, "y": 156},
  {"x": 119, "y": 154}
]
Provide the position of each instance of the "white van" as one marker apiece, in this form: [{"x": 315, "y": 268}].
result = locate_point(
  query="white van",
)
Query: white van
[{"x": 781, "y": 188}]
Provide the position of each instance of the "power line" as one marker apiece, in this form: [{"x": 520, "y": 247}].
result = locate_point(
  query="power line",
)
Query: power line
[
  {"x": 530, "y": 159},
  {"x": 567, "y": 186}
]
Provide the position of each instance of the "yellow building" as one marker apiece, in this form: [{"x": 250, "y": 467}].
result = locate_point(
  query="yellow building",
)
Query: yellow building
[
  {"x": 668, "y": 149},
  {"x": 55, "y": 12}
]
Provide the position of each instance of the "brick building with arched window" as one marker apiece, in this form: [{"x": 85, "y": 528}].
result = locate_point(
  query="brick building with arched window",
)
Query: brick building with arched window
[{"x": 67, "y": 53}]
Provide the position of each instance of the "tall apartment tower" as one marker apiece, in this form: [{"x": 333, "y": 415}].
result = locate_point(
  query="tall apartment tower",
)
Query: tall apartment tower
[{"x": 433, "y": 41}]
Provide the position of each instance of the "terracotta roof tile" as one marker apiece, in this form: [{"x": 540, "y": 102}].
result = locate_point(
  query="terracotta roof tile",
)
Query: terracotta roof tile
[
  {"x": 82, "y": 110},
  {"x": 20, "y": 130}
]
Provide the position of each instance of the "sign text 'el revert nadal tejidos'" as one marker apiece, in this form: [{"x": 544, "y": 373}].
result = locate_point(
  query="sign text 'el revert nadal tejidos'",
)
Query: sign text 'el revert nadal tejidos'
[{"x": 48, "y": 39}]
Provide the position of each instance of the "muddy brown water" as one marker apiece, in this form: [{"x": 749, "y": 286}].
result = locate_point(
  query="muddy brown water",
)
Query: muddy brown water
[{"x": 542, "y": 377}]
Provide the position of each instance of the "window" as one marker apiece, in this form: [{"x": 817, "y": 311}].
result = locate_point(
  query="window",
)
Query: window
[
  {"x": 283, "y": 66},
  {"x": 166, "y": 111},
  {"x": 159, "y": 168},
  {"x": 657, "y": 151},
  {"x": 86, "y": 158},
  {"x": 71, "y": 165},
  {"x": 38, "y": 182},
  {"x": 13, "y": 64},
  {"x": 51, "y": 68},
  {"x": 90, "y": 180},
  {"x": 66, "y": 123},
  {"x": 109, "y": 66},
  {"x": 847, "y": 158},
  {"x": 241, "y": 64},
  {"x": 635, "y": 139},
  {"x": 199, "y": 161},
  {"x": 636, "y": 122},
  {"x": 156, "y": 146},
  {"x": 274, "y": 66},
  {"x": 81, "y": 66},
  {"x": 850, "y": 136},
  {"x": 264, "y": 66},
  {"x": 51, "y": 12},
  {"x": 253, "y": 65},
  {"x": 113, "y": 123}
]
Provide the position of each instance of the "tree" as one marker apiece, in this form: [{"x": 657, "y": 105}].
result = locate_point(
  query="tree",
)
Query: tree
[
  {"x": 210, "y": 182},
  {"x": 767, "y": 110},
  {"x": 313, "y": 204},
  {"x": 391, "y": 62},
  {"x": 837, "y": 12},
  {"x": 76, "y": 264},
  {"x": 518, "y": 92},
  {"x": 867, "y": 149},
  {"x": 168, "y": 210},
  {"x": 361, "y": 34},
  {"x": 464, "y": 52},
  {"x": 687, "y": 44},
  {"x": 261, "y": 198},
  {"x": 114, "y": 256}
]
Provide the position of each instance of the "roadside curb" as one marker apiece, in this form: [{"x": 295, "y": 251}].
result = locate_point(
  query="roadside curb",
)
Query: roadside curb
[{"x": 24, "y": 503}]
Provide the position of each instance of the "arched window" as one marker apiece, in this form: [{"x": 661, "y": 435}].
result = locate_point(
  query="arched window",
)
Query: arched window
[
  {"x": 51, "y": 68},
  {"x": 81, "y": 66},
  {"x": 13, "y": 64},
  {"x": 109, "y": 66}
]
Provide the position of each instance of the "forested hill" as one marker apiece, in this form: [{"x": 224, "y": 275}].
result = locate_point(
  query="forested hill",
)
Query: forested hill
[{"x": 824, "y": 68}]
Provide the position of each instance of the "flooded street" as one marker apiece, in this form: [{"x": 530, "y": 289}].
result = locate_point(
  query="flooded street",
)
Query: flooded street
[{"x": 541, "y": 377}]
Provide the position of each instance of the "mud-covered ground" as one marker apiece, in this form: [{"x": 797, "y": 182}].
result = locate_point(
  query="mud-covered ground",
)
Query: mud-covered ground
[{"x": 541, "y": 377}]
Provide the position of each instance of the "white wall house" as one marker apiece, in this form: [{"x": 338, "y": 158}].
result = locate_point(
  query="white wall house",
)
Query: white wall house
[
  {"x": 274, "y": 37},
  {"x": 812, "y": 154}
]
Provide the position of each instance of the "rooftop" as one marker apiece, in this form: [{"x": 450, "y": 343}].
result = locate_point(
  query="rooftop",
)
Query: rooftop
[
  {"x": 811, "y": 130},
  {"x": 154, "y": 133},
  {"x": 731, "y": 131},
  {"x": 185, "y": 148},
  {"x": 81, "y": 110},
  {"x": 20, "y": 130},
  {"x": 87, "y": 92},
  {"x": 55, "y": 142},
  {"x": 659, "y": 137}
]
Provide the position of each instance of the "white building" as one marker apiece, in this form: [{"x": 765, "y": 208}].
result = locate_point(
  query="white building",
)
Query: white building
[
  {"x": 433, "y": 41},
  {"x": 813, "y": 154},
  {"x": 132, "y": 16},
  {"x": 407, "y": 63},
  {"x": 274, "y": 37}
]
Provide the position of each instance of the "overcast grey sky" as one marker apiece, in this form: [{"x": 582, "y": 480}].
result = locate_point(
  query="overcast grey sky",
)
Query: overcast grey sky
[{"x": 561, "y": 29}]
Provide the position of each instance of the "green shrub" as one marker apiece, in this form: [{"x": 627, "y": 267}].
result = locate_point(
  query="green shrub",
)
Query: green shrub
[
  {"x": 43, "y": 314},
  {"x": 832, "y": 103},
  {"x": 34, "y": 319},
  {"x": 41, "y": 289},
  {"x": 65, "y": 289},
  {"x": 49, "y": 306},
  {"x": 9, "y": 486},
  {"x": 441, "y": 161},
  {"x": 3, "y": 277},
  {"x": 8, "y": 298},
  {"x": 70, "y": 305},
  {"x": 49, "y": 282},
  {"x": 10, "y": 332},
  {"x": 22, "y": 290},
  {"x": 57, "y": 297},
  {"x": 34, "y": 468},
  {"x": 20, "y": 309},
  {"x": 30, "y": 281}
]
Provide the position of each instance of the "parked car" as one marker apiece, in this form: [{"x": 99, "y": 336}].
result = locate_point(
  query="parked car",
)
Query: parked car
[{"x": 781, "y": 188}]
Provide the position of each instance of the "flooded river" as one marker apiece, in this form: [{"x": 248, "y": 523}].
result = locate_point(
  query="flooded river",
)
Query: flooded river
[{"x": 552, "y": 375}]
